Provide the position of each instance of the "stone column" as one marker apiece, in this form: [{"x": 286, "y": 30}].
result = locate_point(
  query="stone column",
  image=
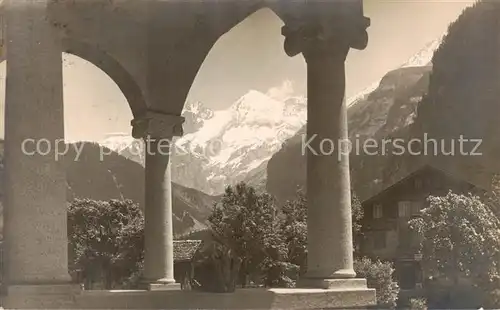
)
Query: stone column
[
  {"x": 158, "y": 130},
  {"x": 35, "y": 211},
  {"x": 330, "y": 244}
]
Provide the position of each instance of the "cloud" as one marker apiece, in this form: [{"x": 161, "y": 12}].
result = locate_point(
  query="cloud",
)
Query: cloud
[{"x": 282, "y": 92}]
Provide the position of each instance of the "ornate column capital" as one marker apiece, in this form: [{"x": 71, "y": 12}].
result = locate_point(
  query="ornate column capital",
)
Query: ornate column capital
[
  {"x": 325, "y": 35},
  {"x": 157, "y": 125}
]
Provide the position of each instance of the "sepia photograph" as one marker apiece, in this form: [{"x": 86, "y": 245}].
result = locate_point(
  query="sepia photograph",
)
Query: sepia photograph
[{"x": 250, "y": 154}]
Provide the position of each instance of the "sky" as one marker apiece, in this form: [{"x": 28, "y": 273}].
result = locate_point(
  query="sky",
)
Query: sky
[{"x": 251, "y": 56}]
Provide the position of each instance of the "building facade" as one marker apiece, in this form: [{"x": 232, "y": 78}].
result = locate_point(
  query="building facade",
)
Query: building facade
[{"x": 385, "y": 231}]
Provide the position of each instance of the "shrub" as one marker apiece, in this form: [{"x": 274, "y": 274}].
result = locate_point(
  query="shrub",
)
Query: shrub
[
  {"x": 379, "y": 276},
  {"x": 418, "y": 304},
  {"x": 106, "y": 241}
]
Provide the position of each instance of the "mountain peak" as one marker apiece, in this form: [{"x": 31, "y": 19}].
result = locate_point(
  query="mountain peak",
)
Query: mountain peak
[
  {"x": 258, "y": 108},
  {"x": 254, "y": 98},
  {"x": 424, "y": 56},
  {"x": 245, "y": 136}
]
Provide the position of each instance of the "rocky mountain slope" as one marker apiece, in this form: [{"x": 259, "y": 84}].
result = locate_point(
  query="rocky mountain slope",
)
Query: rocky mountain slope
[
  {"x": 116, "y": 177},
  {"x": 457, "y": 95},
  {"x": 220, "y": 148},
  {"x": 462, "y": 98}
]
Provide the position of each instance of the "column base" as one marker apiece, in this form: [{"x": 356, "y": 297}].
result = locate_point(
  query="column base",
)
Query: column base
[
  {"x": 159, "y": 285},
  {"x": 49, "y": 296},
  {"x": 243, "y": 299},
  {"x": 332, "y": 284}
]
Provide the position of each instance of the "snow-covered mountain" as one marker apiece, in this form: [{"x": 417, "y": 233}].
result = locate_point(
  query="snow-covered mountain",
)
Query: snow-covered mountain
[
  {"x": 227, "y": 146},
  {"x": 255, "y": 121},
  {"x": 421, "y": 59},
  {"x": 424, "y": 56}
]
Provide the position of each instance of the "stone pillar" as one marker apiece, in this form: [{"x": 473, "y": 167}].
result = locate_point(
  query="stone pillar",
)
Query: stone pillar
[
  {"x": 35, "y": 211},
  {"x": 330, "y": 244},
  {"x": 158, "y": 130}
]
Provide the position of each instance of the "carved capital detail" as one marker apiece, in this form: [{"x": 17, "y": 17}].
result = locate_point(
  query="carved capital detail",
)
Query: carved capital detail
[
  {"x": 314, "y": 45},
  {"x": 324, "y": 35},
  {"x": 157, "y": 125}
]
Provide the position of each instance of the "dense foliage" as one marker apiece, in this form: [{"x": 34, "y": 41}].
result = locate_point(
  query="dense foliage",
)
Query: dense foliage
[
  {"x": 106, "y": 241},
  {"x": 460, "y": 240},
  {"x": 247, "y": 221},
  {"x": 418, "y": 304},
  {"x": 379, "y": 276},
  {"x": 460, "y": 237}
]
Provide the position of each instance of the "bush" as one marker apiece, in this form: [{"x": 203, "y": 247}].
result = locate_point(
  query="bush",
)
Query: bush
[
  {"x": 106, "y": 242},
  {"x": 379, "y": 276},
  {"x": 418, "y": 304}
]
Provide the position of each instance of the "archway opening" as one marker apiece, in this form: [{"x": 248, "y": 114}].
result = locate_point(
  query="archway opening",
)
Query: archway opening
[
  {"x": 94, "y": 105},
  {"x": 246, "y": 100}
]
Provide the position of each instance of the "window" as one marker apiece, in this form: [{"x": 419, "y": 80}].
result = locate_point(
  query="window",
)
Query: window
[
  {"x": 379, "y": 240},
  {"x": 377, "y": 211},
  {"x": 418, "y": 183},
  {"x": 404, "y": 209}
]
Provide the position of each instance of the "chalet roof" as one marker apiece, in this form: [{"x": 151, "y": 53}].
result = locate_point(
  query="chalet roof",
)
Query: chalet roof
[
  {"x": 184, "y": 250},
  {"x": 426, "y": 166}
]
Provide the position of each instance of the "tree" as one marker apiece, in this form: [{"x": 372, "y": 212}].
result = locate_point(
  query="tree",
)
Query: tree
[
  {"x": 460, "y": 238},
  {"x": 218, "y": 266},
  {"x": 492, "y": 197},
  {"x": 106, "y": 240},
  {"x": 294, "y": 229},
  {"x": 247, "y": 223}
]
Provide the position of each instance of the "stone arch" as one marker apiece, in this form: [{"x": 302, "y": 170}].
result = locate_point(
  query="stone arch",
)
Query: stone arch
[
  {"x": 112, "y": 68},
  {"x": 275, "y": 8},
  {"x": 228, "y": 28}
]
